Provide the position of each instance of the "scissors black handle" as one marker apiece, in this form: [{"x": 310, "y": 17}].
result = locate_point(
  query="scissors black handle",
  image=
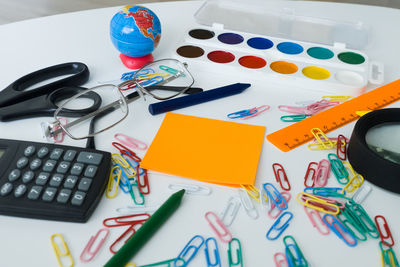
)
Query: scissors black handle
[
  {"x": 15, "y": 92},
  {"x": 46, "y": 105}
]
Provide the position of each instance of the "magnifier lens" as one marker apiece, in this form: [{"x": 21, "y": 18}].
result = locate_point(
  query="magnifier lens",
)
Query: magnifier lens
[{"x": 384, "y": 140}]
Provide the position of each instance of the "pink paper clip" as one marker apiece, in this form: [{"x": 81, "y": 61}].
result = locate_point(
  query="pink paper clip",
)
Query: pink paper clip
[
  {"x": 218, "y": 227},
  {"x": 59, "y": 138},
  {"x": 287, "y": 197},
  {"x": 126, "y": 220},
  {"x": 341, "y": 147},
  {"x": 124, "y": 237},
  {"x": 130, "y": 141},
  {"x": 293, "y": 110},
  {"x": 256, "y": 111},
  {"x": 384, "y": 231},
  {"x": 280, "y": 175},
  {"x": 142, "y": 181},
  {"x": 310, "y": 174},
  {"x": 319, "y": 106},
  {"x": 322, "y": 173},
  {"x": 315, "y": 216},
  {"x": 280, "y": 260},
  {"x": 87, "y": 253}
]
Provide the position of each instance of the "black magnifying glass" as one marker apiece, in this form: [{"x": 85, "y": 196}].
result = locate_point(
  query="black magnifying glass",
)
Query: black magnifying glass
[{"x": 374, "y": 148}]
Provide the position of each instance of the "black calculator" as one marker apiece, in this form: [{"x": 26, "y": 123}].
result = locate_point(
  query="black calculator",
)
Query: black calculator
[{"x": 50, "y": 181}]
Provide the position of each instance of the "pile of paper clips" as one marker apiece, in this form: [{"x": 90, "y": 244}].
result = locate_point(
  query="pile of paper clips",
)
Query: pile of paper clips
[
  {"x": 303, "y": 112},
  {"x": 293, "y": 255}
]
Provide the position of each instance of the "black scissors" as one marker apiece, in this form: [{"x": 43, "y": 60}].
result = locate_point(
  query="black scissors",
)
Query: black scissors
[{"x": 18, "y": 103}]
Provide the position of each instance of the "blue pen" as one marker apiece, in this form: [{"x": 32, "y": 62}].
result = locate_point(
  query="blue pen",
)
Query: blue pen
[{"x": 194, "y": 99}]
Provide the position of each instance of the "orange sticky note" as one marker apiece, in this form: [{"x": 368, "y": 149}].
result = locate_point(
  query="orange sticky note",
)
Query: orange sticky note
[{"x": 207, "y": 150}]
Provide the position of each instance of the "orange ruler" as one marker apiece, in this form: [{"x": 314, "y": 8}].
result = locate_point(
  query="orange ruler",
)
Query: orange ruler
[{"x": 299, "y": 133}]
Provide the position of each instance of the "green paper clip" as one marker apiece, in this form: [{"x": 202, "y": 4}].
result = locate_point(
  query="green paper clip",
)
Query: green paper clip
[
  {"x": 352, "y": 225},
  {"x": 338, "y": 169},
  {"x": 238, "y": 256},
  {"x": 388, "y": 256},
  {"x": 294, "y": 118},
  {"x": 135, "y": 194},
  {"x": 163, "y": 263},
  {"x": 360, "y": 215}
]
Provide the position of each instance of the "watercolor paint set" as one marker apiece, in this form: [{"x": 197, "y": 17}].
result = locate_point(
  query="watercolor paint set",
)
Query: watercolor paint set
[{"x": 331, "y": 63}]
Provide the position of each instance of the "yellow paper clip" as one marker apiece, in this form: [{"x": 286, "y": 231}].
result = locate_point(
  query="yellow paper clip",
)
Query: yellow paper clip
[
  {"x": 322, "y": 145},
  {"x": 337, "y": 98},
  {"x": 353, "y": 184},
  {"x": 110, "y": 184},
  {"x": 252, "y": 191},
  {"x": 152, "y": 75},
  {"x": 130, "y": 264},
  {"x": 349, "y": 168},
  {"x": 61, "y": 251},
  {"x": 126, "y": 168},
  {"x": 311, "y": 198},
  {"x": 322, "y": 140}
]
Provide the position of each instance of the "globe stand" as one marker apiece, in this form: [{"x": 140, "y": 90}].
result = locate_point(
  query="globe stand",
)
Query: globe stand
[{"x": 135, "y": 63}]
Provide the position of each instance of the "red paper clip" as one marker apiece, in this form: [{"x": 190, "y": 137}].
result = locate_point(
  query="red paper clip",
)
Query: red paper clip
[
  {"x": 386, "y": 234},
  {"x": 310, "y": 174},
  {"x": 341, "y": 147},
  {"x": 126, "y": 151},
  {"x": 143, "y": 183},
  {"x": 279, "y": 174},
  {"x": 124, "y": 237},
  {"x": 126, "y": 220},
  {"x": 87, "y": 253}
]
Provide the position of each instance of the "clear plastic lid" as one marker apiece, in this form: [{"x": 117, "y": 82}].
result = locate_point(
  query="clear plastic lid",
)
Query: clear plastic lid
[{"x": 266, "y": 18}]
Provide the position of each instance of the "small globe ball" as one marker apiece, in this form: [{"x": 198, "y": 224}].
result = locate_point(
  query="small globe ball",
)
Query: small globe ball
[{"x": 135, "y": 31}]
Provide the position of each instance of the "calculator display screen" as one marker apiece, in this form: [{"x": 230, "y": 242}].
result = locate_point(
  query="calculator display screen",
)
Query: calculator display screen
[{"x": 1, "y": 152}]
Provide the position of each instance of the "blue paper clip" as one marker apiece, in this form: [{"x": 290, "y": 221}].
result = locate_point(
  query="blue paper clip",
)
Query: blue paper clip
[
  {"x": 237, "y": 258},
  {"x": 299, "y": 259},
  {"x": 129, "y": 75},
  {"x": 241, "y": 113},
  {"x": 278, "y": 199},
  {"x": 132, "y": 163},
  {"x": 324, "y": 191},
  {"x": 279, "y": 228},
  {"x": 338, "y": 169},
  {"x": 192, "y": 247},
  {"x": 208, "y": 252},
  {"x": 340, "y": 230}
]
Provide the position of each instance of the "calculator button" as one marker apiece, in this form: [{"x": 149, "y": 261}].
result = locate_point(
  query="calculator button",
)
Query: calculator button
[
  {"x": 29, "y": 151},
  {"x": 63, "y": 167},
  {"x": 6, "y": 189},
  {"x": 78, "y": 198},
  {"x": 90, "y": 171},
  {"x": 90, "y": 158},
  {"x": 69, "y": 155},
  {"x": 35, "y": 164},
  {"x": 20, "y": 190},
  {"x": 22, "y": 162},
  {"x": 42, "y": 178},
  {"x": 77, "y": 169},
  {"x": 56, "y": 180},
  {"x": 49, "y": 194},
  {"x": 70, "y": 181},
  {"x": 14, "y": 175},
  {"x": 63, "y": 196},
  {"x": 28, "y": 176},
  {"x": 56, "y": 153},
  {"x": 35, "y": 191},
  {"x": 84, "y": 184},
  {"x": 43, "y": 152},
  {"x": 49, "y": 165}
]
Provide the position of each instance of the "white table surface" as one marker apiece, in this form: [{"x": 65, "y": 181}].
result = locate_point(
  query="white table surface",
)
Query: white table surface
[{"x": 84, "y": 36}]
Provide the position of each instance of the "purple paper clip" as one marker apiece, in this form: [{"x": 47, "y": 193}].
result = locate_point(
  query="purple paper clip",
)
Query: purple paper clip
[
  {"x": 322, "y": 173},
  {"x": 218, "y": 227},
  {"x": 87, "y": 253}
]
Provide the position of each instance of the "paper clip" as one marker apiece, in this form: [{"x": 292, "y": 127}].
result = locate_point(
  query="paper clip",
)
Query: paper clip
[
  {"x": 280, "y": 175},
  {"x": 310, "y": 174},
  {"x": 338, "y": 169},
  {"x": 126, "y": 220},
  {"x": 170, "y": 70},
  {"x": 315, "y": 216},
  {"x": 191, "y": 189},
  {"x": 278, "y": 226},
  {"x": 294, "y": 110},
  {"x": 142, "y": 182},
  {"x": 278, "y": 199},
  {"x": 218, "y": 227},
  {"x": 282, "y": 262},
  {"x": 124, "y": 150},
  {"x": 325, "y": 191},
  {"x": 384, "y": 231},
  {"x": 130, "y": 141},
  {"x": 215, "y": 260},
  {"x": 248, "y": 204},
  {"x": 130, "y": 231},
  {"x": 337, "y": 98},
  {"x": 348, "y": 219},
  {"x": 235, "y": 259},
  {"x": 299, "y": 259},
  {"x": 294, "y": 118},
  {"x": 361, "y": 194},
  {"x": 137, "y": 209},
  {"x": 130, "y": 264},
  {"x": 322, "y": 140},
  {"x": 353, "y": 184},
  {"x": 129, "y": 75},
  {"x": 341, "y": 147},
  {"x": 110, "y": 184},
  {"x": 317, "y": 203},
  {"x": 388, "y": 256},
  {"x": 59, "y": 138},
  {"x": 286, "y": 196},
  {"x": 61, "y": 250},
  {"x": 322, "y": 173},
  {"x": 136, "y": 195},
  {"x": 340, "y": 230},
  {"x": 192, "y": 246},
  {"x": 252, "y": 191},
  {"x": 163, "y": 263},
  {"x": 362, "y": 218},
  {"x": 87, "y": 253},
  {"x": 230, "y": 211},
  {"x": 248, "y": 113}
]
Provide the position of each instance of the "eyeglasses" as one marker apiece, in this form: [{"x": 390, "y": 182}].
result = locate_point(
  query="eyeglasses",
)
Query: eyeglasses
[{"x": 149, "y": 80}]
